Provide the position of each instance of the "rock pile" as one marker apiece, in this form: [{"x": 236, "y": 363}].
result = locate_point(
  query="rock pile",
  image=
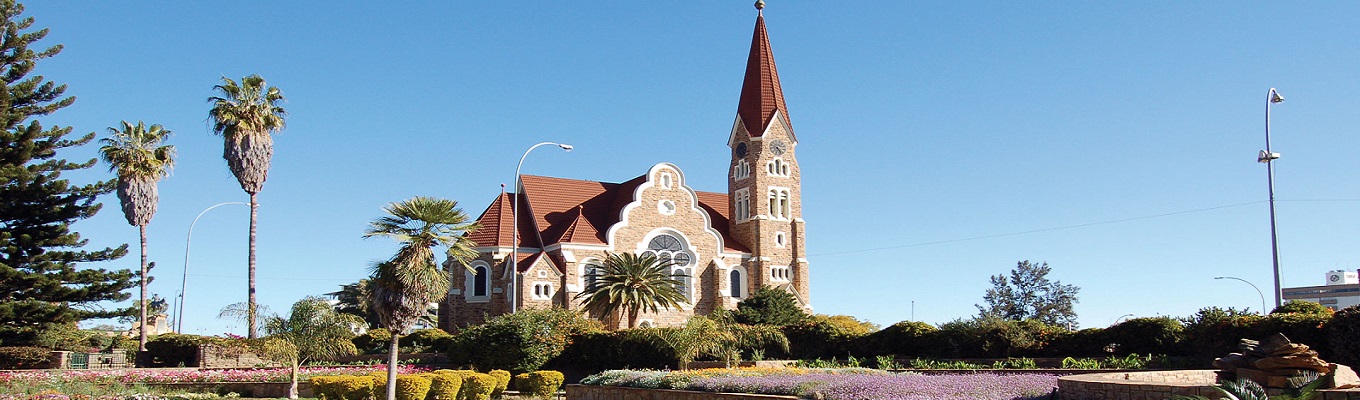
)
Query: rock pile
[{"x": 1278, "y": 363}]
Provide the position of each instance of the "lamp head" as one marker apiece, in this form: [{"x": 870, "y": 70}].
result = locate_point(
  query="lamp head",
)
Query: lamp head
[
  {"x": 1275, "y": 96},
  {"x": 564, "y": 146}
]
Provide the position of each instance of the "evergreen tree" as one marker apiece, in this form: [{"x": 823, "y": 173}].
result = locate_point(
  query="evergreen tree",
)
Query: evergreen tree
[
  {"x": 39, "y": 282},
  {"x": 770, "y": 306},
  {"x": 1028, "y": 294}
]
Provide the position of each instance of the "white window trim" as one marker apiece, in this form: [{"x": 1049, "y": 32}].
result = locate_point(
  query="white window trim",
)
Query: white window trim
[
  {"x": 581, "y": 271},
  {"x": 781, "y": 239},
  {"x": 543, "y": 291},
  {"x": 741, "y": 171},
  {"x": 742, "y": 288},
  {"x": 780, "y": 202},
  {"x": 470, "y": 283},
  {"x": 781, "y": 273},
  {"x": 741, "y": 198}
]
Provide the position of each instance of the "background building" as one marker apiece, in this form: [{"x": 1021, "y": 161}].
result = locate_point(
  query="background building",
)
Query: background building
[{"x": 1341, "y": 290}]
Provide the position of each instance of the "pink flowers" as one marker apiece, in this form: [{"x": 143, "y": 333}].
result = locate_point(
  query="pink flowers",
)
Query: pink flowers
[
  {"x": 133, "y": 376},
  {"x": 841, "y": 384}
]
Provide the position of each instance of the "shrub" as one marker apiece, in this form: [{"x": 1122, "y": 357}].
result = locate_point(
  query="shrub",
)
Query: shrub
[
  {"x": 327, "y": 387},
  {"x": 24, "y": 357},
  {"x": 625, "y": 349},
  {"x": 540, "y": 384},
  {"x": 1087, "y": 342},
  {"x": 362, "y": 387},
  {"x": 412, "y": 387},
  {"x": 522, "y": 341},
  {"x": 824, "y": 336},
  {"x": 444, "y": 385},
  {"x": 423, "y": 340},
  {"x": 1154, "y": 335},
  {"x": 1302, "y": 307},
  {"x": 904, "y": 339},
  {"x": 993, "y": 337},
  {"x": 502, "y": 381},
  {"x": 479, "y": 386},
  {"x": 1342, "y": 331},
  {"x": 770, "y": 306},
  {"x": 174, "y": 350},
  {"x": 375, "y": 341}
]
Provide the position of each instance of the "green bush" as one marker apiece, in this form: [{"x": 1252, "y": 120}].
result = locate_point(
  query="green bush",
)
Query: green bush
[
  {"x": 175, "y": 350},
  {"x": 24, "y": 357},
  {"x": 502, "y": 381},
  {"x": 1302, "y": 307},
  {"x": 824, "y": 336},
  {"x": 1089, "y": 342},
  {"x": 522, "y": 341},
  {"x": 479, "y": 386},
  {"x": 540, "y": 384},
  {"x": 1342, "y": 331},
  {"x": 993, "y": 337},
  {"x": 375, "y": 341},
  {"x": 412, "y": 387},
  {"x": 344, "y": 387},
  {"x": 626, "y": 349},
  {"x": 1154, "y": 335},
  {"x": 444, "y": 385},
  {"x": 770, "y": 306},
  {"x": 423, "y": 341},
  {"x": 904, "y": 339}
]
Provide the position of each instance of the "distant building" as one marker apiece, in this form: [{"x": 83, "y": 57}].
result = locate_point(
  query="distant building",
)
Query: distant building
[
  {"x": 724, "y": 245},
  {"x": 1342, "y": 289}
]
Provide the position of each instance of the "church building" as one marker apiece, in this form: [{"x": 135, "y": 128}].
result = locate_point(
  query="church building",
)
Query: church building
[{"x": 726, "y": 245}]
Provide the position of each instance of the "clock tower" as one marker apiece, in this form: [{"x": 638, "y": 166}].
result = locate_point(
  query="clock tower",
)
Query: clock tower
[{"x": 763, "y": 178}]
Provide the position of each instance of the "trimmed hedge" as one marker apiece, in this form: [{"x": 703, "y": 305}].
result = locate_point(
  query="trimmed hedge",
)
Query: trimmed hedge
[
  {"x": 24, "y": 357},
  {"x": 412, "y": 387},
  {"x": 502, "y": 381},
  {"x": 445, "y": 385},
  {"x": 540, "y": 384},
  {"x": 479, "y": 386}
]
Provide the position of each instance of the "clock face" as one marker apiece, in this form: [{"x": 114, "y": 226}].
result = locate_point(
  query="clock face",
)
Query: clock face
[
  {"x": 777, "y": 147},
  {"x": 1336, "y": 278},
  {"x": 741, "y": 149}
]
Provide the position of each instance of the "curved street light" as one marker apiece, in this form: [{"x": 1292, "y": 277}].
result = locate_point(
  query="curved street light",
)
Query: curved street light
[
  {"x": 1121, "y": 318},
  {"x": 1265, "y": 157},
  {"x": 513, "y": 262},
  {"x": 1253, "y": 286},
  {"x": 184, "y": 281}
]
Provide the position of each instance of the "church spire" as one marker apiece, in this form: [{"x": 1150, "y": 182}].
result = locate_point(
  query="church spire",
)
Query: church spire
[{"x": 761, "y": 95}]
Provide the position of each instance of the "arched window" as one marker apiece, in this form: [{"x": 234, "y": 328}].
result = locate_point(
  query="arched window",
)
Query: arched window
[
  {"x": 779, "y": 203},
  {"x": 480, "y": 280},
  {"x": 777, "y": 167},
  {"x": 742, "y": 205},
  {"x": 589, "y": 272},
  {"x": 742, "y": 170},
  {"x": 669, "y": 248},
  {"x": 735, "y": 282}
]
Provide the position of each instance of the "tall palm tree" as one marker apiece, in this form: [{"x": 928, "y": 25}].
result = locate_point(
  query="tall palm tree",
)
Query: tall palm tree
[
  {"x": 136, "y": 154},
  {"x": 630, "y": 283},
  {"x": 406, "y": 284},
  {"x": 245, "y": 115}
]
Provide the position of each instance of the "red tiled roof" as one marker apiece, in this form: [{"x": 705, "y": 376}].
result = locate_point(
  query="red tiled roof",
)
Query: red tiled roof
[
  {"x": 494, "y": 221},
  {"x": 580, "y": 211},
  {"x": 761, "y": 94}
]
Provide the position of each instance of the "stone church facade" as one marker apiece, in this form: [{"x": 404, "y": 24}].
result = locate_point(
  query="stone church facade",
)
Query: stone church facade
[{"x": 726, "y": 245}]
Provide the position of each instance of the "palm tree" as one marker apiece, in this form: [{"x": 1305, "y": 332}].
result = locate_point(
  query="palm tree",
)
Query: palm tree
[
  {"x": 245, "y": 115},
  {"x": 135, "y": 153},
  {"x": 633, "y": 283},
  {"x": 312, "y": 331},
  {"x": 405, "y": 285}
]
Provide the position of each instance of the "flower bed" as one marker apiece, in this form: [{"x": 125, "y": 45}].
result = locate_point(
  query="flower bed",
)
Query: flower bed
[
  {"x": 837, "y": 384},
  {"x": 154, "y": 376}
]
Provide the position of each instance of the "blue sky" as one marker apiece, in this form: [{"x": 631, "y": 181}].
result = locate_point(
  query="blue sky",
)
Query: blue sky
[{"x": 940, "y": 142}]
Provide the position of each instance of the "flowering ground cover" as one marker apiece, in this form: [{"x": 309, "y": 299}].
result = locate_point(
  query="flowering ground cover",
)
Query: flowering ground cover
[
  {"x": 838, "y": 384},
  {"x": 133, "y": 383}
]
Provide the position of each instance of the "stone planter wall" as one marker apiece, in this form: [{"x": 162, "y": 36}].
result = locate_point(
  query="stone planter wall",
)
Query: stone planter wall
[
  {"x": 1156, "y": 385},
  {"x": 584, "y": 392}
]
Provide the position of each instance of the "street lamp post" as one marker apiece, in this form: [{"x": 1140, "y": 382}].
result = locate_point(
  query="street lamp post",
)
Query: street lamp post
[
  {"x": 1266, "y": 156},
  {"x": 184, "y": 282},
  {"x": 1253, "y": 286},
  {"x": 513, "y": 261},
  {"x": 1121, "y": 318}
]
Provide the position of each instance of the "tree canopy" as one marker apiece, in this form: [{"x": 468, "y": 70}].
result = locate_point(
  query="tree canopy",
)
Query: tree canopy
[
  {"x": 1028, "y": 294},
  {"x": 770, "y": 306},
  {"x": 39, "y": 279}
]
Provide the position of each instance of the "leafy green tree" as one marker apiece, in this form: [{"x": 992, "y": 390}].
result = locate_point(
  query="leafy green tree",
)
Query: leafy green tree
[
  {"x": 520, "y": 342},
  {"x": 312, "y": 331},
  {"x": 357, "y": 299},
  {"x": 136, "y": 155},
  {"x": 39, "y": 282},
  {"x": 770, "y": 306},
  {"x": 1028, "y": 294},
  {"x": 1302, "y": 307},
  {"x": 404, "y": 286},
  {"x": 631, "y": 284},
  {"x": 246, "y": 114}
]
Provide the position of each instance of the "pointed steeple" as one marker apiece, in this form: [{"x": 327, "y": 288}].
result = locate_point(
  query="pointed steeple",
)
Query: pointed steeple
[{"x": 761, "y": 95}]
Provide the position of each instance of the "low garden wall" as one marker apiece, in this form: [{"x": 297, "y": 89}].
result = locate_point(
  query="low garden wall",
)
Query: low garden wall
[
  {"x": 584, "y": 392},
  {"x": 245, "y": 389},
  {"x": 1156, "y": 385}
]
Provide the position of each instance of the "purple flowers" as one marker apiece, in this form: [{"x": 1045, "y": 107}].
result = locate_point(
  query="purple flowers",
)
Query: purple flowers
[{"x": 835, "y": 384}]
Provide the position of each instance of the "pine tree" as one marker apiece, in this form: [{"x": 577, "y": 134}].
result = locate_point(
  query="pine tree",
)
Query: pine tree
[{"x": 39, "y": 282}]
